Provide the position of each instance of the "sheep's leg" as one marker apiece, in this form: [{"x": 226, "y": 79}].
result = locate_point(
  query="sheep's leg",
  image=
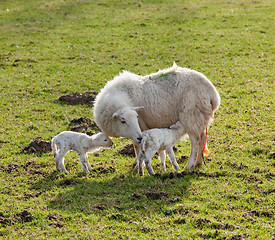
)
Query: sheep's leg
[
  {"x": 194, "y": 151},
  {"x": 200, "y": 158},
  {"x": 147, "y": 159},
  {"x": 82, "y": 158},
  {"x": 172, "y": 158},
  {"x": 162, "y": 159}
]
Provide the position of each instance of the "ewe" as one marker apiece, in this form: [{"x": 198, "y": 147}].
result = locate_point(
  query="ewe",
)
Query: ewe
[
  {"x": 130, "y": 104},
  {"x": 159, "y": 139},
  {"x": 79, "y": 142}
]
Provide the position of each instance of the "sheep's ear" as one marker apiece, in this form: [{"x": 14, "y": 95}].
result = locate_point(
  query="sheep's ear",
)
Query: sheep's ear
[
  {"x": 137, "y": 108},
  {"x": 115, "y": 116}
]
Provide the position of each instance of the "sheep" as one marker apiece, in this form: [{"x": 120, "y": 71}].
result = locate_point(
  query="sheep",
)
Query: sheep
[
  {"x": 157, "y": 139},
  {"x": 130, "y": 104},
  {"x": 80, "y": 143}
]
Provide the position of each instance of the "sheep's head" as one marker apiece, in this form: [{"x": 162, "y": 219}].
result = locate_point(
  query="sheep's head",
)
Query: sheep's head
[{"x": 126, "y": 124}]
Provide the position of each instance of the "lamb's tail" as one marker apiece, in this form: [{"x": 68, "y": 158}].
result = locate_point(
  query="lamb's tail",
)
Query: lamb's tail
[{"x": 53, "y": 145}]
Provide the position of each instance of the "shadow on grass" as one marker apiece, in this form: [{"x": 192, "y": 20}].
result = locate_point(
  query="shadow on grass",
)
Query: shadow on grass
[{"x": 108, "y": 192}]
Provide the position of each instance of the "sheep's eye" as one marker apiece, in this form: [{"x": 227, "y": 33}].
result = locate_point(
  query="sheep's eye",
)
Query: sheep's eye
[
  {"x": 105, "y": 140},
  {"x": 123, "y": 120}
]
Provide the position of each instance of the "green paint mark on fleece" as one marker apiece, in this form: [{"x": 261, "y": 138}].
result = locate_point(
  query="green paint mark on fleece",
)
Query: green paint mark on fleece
[{"x": 164, "y": 76}]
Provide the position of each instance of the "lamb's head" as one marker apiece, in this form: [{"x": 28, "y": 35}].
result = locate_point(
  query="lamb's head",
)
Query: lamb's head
[
  {"x": 102, "y": 140},
  {"x": 126, "y": 124},
  {"x": 178, "y": 126}
]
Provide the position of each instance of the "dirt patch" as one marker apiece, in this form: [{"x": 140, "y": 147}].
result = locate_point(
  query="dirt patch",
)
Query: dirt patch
[
  {"x": 67, "y": 182},
  {"x": 182, "y": 211},
  {"x": 38, "y": 146},
  {"x": 135, "y": 197},
  {"x": 86, "y": 128},
  {"x": 240, "y": 237},
  {"x": 33, "y": 195},
  {"x": 83, "y": 124},
  {"x": 128, "y": 150},
  {"x": 272, "y": 155},
  {"x": 155, "y": 195},
  {"x": 25, "y": 216},
  {"x": 76, "y": 98},
  {"x": 55, "y": 220},
  {"x": 182, "y": 159},
  {"x": 201, "y": 222},
  {"x": 80, "y": 121},
  {"x": 14, "y": 167},
  {"x": 257, "y": 213},
  {"x": 4, "y": 220},
  {"x": 103, "y": 170},
  {"x": 99, "y": 206}
]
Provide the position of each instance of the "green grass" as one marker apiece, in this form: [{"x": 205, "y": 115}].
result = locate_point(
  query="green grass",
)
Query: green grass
[{"x": 53, "y": 48}]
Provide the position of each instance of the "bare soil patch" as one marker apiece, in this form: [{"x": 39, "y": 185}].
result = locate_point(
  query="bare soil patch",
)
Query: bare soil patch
[
  {"x": 83, "y": 124},
  {"x": 128, "y": 150},
  {"x": 25, "y": 216},
  {"x": 38, "y": 146},
  {"x": 76, "y": 98}
]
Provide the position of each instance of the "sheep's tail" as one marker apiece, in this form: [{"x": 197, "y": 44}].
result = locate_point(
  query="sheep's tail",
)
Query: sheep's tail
[
  {"x": 215, "y": 101},
  {"x": 53, "y": 145}
]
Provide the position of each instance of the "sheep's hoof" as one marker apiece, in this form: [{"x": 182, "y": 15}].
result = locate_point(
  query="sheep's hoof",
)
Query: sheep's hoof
[{"x": 189, "y": 168}]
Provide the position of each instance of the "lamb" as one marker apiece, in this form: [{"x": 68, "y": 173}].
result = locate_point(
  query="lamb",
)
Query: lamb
[
  {"x": 157, "y": 139},
  {"x": 79, "y": 142},
  {"x": 130, "y": 104}
]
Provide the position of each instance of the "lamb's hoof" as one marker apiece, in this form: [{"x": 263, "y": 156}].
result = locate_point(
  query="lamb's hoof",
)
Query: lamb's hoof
[
  {"x": 135, "y": 167},
  {"x": 176, "y": 168}
]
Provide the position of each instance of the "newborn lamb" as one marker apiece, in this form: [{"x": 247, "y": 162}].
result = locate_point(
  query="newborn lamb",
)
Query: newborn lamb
[
  {"x": 79, "y": 142},
  {"x": 159, "y": 139}
]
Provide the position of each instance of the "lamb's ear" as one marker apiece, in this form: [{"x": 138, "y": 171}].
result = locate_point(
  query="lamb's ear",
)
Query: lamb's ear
[
  {"x": 175, "y": 126},
  {"x": 137, "y": 108},
  {"x": 115, "y": 116}
]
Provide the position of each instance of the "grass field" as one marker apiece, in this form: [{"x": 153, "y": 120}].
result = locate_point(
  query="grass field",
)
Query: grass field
[{"x": 53, "y": 48}]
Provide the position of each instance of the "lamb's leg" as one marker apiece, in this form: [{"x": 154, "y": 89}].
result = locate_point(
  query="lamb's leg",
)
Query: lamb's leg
[
  {"x": 194, "y": 151},
  {"x": 87, "y": 162},
  {"x": 140, "y": 163},
  {"x": 200, "y": 159},
  {"x": 59, "y": 160},
  {"x": 162, "y": 159},
  {"x": 82, "y": 158},
  {"x": 147, "y": 159},
  {"x": 136, "y": 149},
  {"x": 172, "y": 158}
]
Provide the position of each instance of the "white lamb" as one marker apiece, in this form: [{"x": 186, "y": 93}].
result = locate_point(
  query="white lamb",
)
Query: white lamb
[
  {"x": 81, "y": 143},
  {"x": 158, "y": 139}
]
